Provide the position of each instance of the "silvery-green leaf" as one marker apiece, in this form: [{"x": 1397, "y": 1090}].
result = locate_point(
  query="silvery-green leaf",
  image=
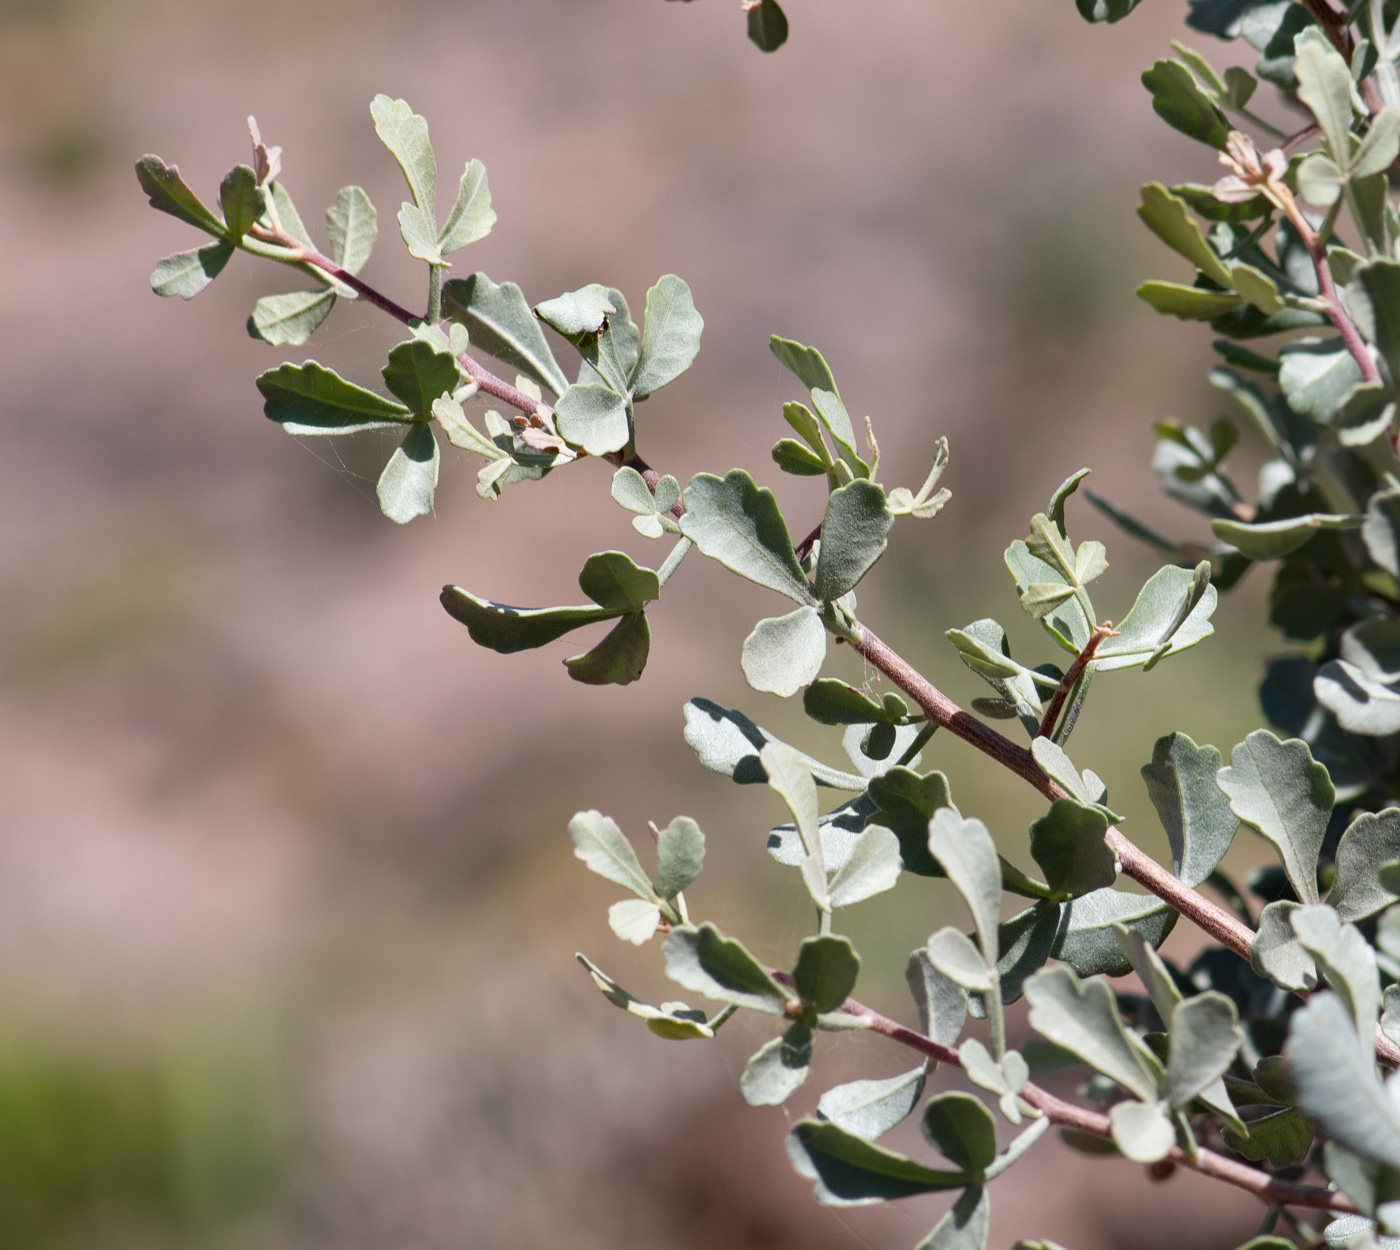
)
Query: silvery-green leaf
[
  {"x": 405, "y": 134},
  {"x": 472, "y": 216},
  {"x": 1380, "y": 147},
  {"x": 169, "y": 193},
  {"x": 577, "y": 314},
  {"x": 1361, "y": 704},
  {"x": 869, "y": 1109},
  {"x": 419, "y": 373},
  {"x": 789, "y": 775},
  {"x": 353, "y": 226},
  {"x": 941, "y": 1002},
  {"x": 1380, "y": 282},
  {"x": 1179, "y": 102},
  {"x": 966, "y": 852},
  {"x": 680, "y": 854},
  {"x": 1324, "y": 85},
  {"x": 826, "y": 971},
  {"x": 707, "y": 962},
  {"x": 1205, "y": 1038},
  {"x": 409, "y": 481},
  {"x": 1317, "y": 375},
  {"x": 904, "y": 802},
  {"x": 1390, "y": 1014},
  {"x": 872, "y": 867},
  {"x": 671, "y": 339},
  {"x": 984, "y": 1071},
  {"x": 1167, "y": 217},
  {"x": 850, "y": 1171},
  {"x": 1056, "y": 765},
  {"x": 674, "y": 1021},
  {"x": 1280, "y": 790},
  {"x": 1187, "y": 303},
  {"x": 1194, "y": 812},
  {"x": 734, "y": 521},
  {"x": 952, "y": 954},
  {"x": 634, "y": 920},
  {"x": 1272, "y": 540},
  {"x": 859, "y": 738},
  {"x": 292, "y": 224},
  {"x": 613, "y": 580},
  {"x": 1083, "y": 1018},
  {"x": 289, "y": 320},
  {"x": 1320, "y": 182},
  {"x": 594, "y": 417},
  {"x": 965, "y": 1225},
  {"x": 806, "y": 362},
  {"x": 619, "y": 657},
  {"x": 1337, "y": 1083},
  {"x": 1068, "y": 844},
  {"x": 1381, "y": 529},
  {"x": 419, "y": 234},
  {"x": 855, "y": 531},
  {"x": 1086, "y": 938},
  {"x": 785, "y": 653},
  {"x": 1151, "y": 971},
  {"x": 243, "y": 201},
  {"x": 601, "y": 845},
  {"x": 777, "y": 1068},
  {"x": 1152, "y": 617},
  {"x": 1142, "y": 1131},
  {"x": 728, "y": 742},
  {"x": 1348, "y": 1231},
  {"x": 1346, "y": 961},
  {"x": 1373, "y": 646},
  {"x": 311, "y": 399},
  {"x": 1066, "y": 623},
  {"x": 500, "y": 323},
  {"x": 1282, "y": 1138},
  {"x": 1371, "y": 840},
  {"x": 1364, "y": 415},
  {"x": 1277, "y": 954},
  {"x": 1025, "y": 942},
  {"x": 961, "y": 1129},
  {"x": 186, "y": 274}
]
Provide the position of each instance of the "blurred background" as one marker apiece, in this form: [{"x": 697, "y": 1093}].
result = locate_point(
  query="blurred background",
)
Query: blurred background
[{"x": 287, "y": 905}]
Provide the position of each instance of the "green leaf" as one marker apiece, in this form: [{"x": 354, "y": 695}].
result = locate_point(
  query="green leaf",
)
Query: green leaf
[
  {"x": 849, "y": 1171},
  {"x": 1179, "y": 102},
  {"x": 941, "y": 1003},
  {"x": 1380, "y": 147},
  {"x": 768, "y": 26},
  {"x": 872, "y": 867},
  {"x": 1272, "y": 540},
  {"x": 1067, "y": 624},
  {"x": 1364, "y": 415},
  {"x": 353, "y": 226},
  {"x": 855, "y": 532},
  {"x": 619, "y": 658},
  {"x": 838, "y": 424},
  {"x": 1372, "y": 839},
  {"x": 968, "y": 855},
  {"x": 961, "y": 1129},
  {"x": 1205, "y": 1038},
  {"x": 169, "y": 193},
  {"x": 500, "y": 323},
  {"x": 1151, "y": 971},
  {"x": 671, "y": 340},
  {"x": 806, "y": 362},
  {"x": 186, "y": 274},
  {"x": 409, "y": 480},
  {"x": 1142, "y": 1131},
  {"x": 790, "y": 777},
  {"x": 1068, "y": 844},
  {"x": 1172, "y": 611},
  {"x": 734, "y": 521},
  {"x": 603, "y": 848},
  {"x": 785, "y": 653},
  {"x": 707, "y": 962},
  {"x": 869, "y": 1109},
  {"x": 954, "y": 955},
  {"x": 634, "y": 920},
  {"x": 507, "y": 629},
  {"x": 578, "y": 315},
  {"x": 826, "y": 971},
  {"x": 677, "y": 1024},
  {"x": 419, "y": 233},
  {"x": 1381, "y": 529},
  {"x": 1055, "y": 509},
  {"x": 1337, "y": 1083},
  {"x": 405, "y": 134},
  {"x": 594, "y": 417},
  {"x": 1196, "y": 815},
  {"x": 289, "y": 320},
  {"x": 965, "y": 1225},
  {"x": 1025, "y": 942},
  {"x": 795, "y": 458},
  {"x": 1167, "y": 217},
  {"x": 1083, "y": 1018},
  {"x": 1344, "y": 959},
  {"x": 1105, "y": 10},
  {"x": 1317, "y": 375},
  {"x": 472, "y": 216},
  {"x": 904, "y": 802},
  {"x": 1281, "y": 1138},
  {"x": 680, "y": 854},
  {"x": 831, "y": 702},
  {"x": 1379, "y": 281},
  {"x": 614, "y": 581},
  {"x": 1325, "y": 86},
  {"x": 729, "y": 742},
  {"x": 243, "y": 201},
  {"x": 419, "y": 373},
  {"x": 1277, "y": 788},
  {"x": 778, "y": 1068},
  {"x": 1187, "y": 303},
  {"x": 311, "y": 399},
  {"x": 1277, "y": 954}
]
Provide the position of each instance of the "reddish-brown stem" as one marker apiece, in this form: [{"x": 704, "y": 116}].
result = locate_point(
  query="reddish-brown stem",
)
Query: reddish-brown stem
[
  {"x": 502, "y": 390},
  {"x": 651, "y": 477},
  {"x": 804, "y": 548},
  {"x": 1058, "y": 1111},
  {"x": 1081, "y": 662}
]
